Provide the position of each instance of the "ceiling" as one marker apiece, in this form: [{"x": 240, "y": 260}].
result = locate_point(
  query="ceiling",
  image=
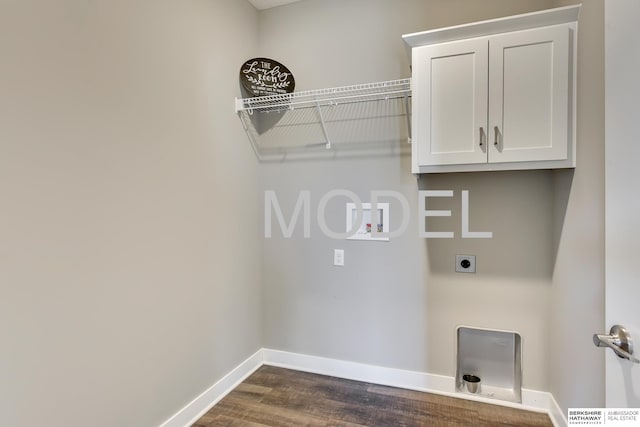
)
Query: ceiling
[{"x": 267, "y": 4}]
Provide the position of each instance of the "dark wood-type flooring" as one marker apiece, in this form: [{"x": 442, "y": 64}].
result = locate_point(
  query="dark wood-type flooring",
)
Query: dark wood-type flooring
[{"x": 280, "y": 397}]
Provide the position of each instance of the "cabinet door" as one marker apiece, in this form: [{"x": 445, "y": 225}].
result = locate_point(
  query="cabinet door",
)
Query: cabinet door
[
  {"x": 450, "y": 103},
  {"x": 529, "y": 94}
]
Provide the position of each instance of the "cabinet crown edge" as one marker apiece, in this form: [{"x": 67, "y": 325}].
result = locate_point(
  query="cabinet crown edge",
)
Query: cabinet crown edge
[{"x": 560, "y": 15}]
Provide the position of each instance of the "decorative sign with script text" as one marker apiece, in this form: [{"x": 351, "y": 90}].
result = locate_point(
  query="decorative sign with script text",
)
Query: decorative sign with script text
[{"x": 264, "y": 76}]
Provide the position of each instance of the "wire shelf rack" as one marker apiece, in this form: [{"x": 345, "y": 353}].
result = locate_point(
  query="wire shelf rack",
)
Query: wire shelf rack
[{"x": 347, "y": 118}]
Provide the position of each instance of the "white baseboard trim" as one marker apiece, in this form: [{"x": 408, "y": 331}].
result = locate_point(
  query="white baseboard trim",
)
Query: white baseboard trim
[
  {"x": 532, "y": 400},
  {"x": 358, "y": 371},
  {"x": 201, "y": 404},
  {"x": 557, "y": 415}
]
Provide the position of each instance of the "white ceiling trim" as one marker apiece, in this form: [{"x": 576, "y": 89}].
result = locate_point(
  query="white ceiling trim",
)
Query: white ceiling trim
[{"x": 267, "y": 4}]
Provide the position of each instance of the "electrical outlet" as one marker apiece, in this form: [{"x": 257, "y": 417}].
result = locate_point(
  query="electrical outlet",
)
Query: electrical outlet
[
  {"x": 338, "y": 257},
  {"x": 465, "y": 263}
]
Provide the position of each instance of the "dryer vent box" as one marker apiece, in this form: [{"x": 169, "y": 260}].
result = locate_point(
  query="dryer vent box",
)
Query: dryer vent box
[{"x": 495, "y": 357}]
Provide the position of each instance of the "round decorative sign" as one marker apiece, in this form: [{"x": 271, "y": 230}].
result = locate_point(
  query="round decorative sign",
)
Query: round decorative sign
[{"x": 264, "y": 76}]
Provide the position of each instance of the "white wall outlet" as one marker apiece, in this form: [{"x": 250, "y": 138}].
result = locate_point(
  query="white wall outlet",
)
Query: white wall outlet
[
  {"x": 465, "y": 263},
  {"x": 338, "y": 257}
]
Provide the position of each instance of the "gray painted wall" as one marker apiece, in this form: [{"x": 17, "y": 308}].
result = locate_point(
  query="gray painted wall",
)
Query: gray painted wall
[
  {"x": 397, "y": 304},
  {"x": 541, "y": 275},
  {"x": 130, "y": 256},
  {"x": 577, "y": 292}
]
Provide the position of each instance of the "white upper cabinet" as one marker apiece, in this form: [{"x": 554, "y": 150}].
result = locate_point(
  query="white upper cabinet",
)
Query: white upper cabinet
[
  {"x": 495, "y": 95},
  {"x": 449, "y": 97},
  {"x": 529, "y": 95}
]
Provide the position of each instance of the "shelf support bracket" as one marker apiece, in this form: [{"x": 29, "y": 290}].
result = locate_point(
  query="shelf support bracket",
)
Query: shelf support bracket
[
  {"x": 324, "y": 126},
  {"x": 407, "y": 115}
]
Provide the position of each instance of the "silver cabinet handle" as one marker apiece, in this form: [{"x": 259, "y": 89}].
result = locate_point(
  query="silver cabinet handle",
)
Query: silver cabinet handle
[
  {"x": 481, "y": 136},
  {"x": 496, "y": 132},
  {"x": 619, "y": 341}
]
